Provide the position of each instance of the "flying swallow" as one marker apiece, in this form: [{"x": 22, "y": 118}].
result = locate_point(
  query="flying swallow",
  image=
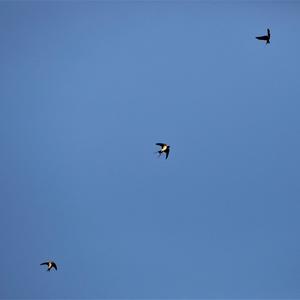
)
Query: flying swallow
[
  {"x": 164, "y": 149},
  {"x": 50, "y": 264},
  {"x": 265, "y": 37}
]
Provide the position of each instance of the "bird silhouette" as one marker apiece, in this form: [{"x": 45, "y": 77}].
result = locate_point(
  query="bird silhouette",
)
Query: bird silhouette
[
  {"x": 50, "y": 264},
  {"x": 265, "y": 37},
  {"x": 164, "y": 149}
]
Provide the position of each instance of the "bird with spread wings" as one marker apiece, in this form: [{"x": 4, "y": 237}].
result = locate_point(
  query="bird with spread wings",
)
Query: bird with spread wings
[
  {"x": 164, "y": 149},
  {"x": 50, "y": 264},
  {"x": 265, "y": 37}
]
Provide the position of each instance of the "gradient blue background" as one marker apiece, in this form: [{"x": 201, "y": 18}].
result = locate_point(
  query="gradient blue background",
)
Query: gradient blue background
[{"x": 87, "y": 89}]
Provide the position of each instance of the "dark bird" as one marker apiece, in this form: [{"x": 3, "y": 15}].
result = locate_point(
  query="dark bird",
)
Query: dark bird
[
  {"x": 50, "y": 264},
  {"x": 265, "y": 37},
  {"x": 164, "y": 149}
]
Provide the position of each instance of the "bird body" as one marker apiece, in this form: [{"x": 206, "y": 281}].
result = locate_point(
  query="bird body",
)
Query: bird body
[
  {"x": 165, "y": 148},
  {"x": 265, "y": 37},
  {"x": 50, "y": 264}
]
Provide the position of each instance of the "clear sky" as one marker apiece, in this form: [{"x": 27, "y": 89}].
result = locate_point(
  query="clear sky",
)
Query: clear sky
[{"x": 88, "y": 88}]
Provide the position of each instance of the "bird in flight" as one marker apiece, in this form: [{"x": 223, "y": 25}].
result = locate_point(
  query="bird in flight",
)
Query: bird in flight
[
  {"x": 50, "y": 264},
  {"x": 265, "y": 37},
  {"x": 164, "y": 149}
]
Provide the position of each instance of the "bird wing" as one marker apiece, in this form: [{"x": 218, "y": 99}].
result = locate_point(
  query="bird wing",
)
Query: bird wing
[
  {"x": 44, "y": 263},
  {"x": 167, "y": 152},
  {"x": 54, "y": 265},
  {"x": 269, "y": 33},
  {"x": 160, "y": 144},
  {"x": 263, "y": 38}
]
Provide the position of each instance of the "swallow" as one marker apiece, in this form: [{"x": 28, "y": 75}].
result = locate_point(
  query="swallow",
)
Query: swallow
[
  {"x": 265, "y": 37},
  {"x": 164, "y": 149},
  {"x": 50, "y": 264}
]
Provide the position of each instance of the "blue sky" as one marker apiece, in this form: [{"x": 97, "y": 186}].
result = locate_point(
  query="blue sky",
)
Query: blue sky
[{"x": 88, "y": 88}]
